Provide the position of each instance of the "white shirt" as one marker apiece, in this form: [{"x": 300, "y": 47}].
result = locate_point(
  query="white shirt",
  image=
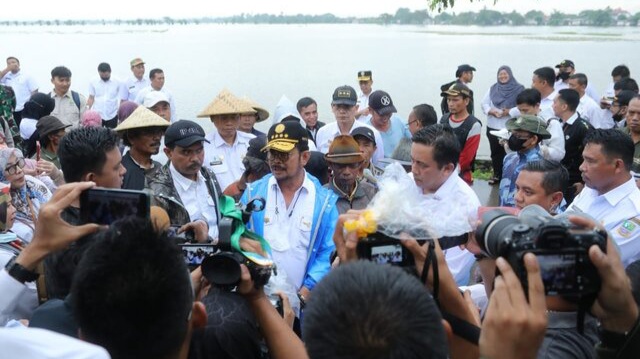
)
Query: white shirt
[
  {"x": 619, "y": 212},
  {"x": 497, "y": 123},
  {"x": 590, "y": 90},
  {"x": 27, "y": 127},
  {"x": 196, "y": 199},
  {"x": 589, "y": 110},
  {"x": 36, "y": 343},
  {"x": 363, "y": 102},
  {"x": 142, "y": 93},
  {"x": 454, "y": 205},
  {"x": 22, "y": 299},
  {"x": 288, "y": 229},
  {"x": 329, "y": 131},
  {"x": 226, "y": 160},
  {"x": 134, "y": 86},
  {"x": 23, "y": 85},
  {"x": 107, "y": 95}
]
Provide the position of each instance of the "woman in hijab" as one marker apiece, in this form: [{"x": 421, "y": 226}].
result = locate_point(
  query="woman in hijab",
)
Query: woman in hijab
[
  {"x": 125, "y": 110},
  {"x": 11, "y": 245},
  {"x": 500, "y": 99},
  {"x": 28, "y": 193},
  {"x": 38, "y": 106}
]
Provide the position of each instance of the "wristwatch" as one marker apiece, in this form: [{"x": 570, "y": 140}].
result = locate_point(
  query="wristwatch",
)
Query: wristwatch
[{"x": 20, "y": 273}]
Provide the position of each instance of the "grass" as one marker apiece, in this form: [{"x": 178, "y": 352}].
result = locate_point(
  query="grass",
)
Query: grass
[{"x": 483, "y": 170}]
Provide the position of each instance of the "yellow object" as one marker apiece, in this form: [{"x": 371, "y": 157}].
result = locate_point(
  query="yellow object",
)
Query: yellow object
[{"x": 364, "y": 225}]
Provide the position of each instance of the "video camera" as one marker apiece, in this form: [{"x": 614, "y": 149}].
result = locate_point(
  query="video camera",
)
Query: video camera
[
  {"x": 561, "y": 249},
  {"x": 222, "y": 269}
]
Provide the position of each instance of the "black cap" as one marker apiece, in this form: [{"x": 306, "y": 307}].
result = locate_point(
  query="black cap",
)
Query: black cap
[
  {"x": 364, "y": 75},
  {"x": 381, "y": 102},
  {"x": 457, "y": 89},
  {"x": 624, "y": 97},
  {"x": 255, "y": 148},
  {"x": 183, "y": 133},
  {"x": 566, "y": 63},
  {"x": 286, "y": 135},
  {"x": 465, "y": 68},
  {"x": 345, "y": 95},
  {"x": 49, "y": 124},
  {"x": 104, "y": 67},
  {"x": 365, "y": 132}
]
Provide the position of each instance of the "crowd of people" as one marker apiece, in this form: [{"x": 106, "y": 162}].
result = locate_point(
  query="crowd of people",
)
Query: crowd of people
[{"x": 79, "y": 290}]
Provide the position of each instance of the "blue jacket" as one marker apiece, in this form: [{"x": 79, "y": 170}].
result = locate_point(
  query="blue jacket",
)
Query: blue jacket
[{"x": 325, "y": 217}]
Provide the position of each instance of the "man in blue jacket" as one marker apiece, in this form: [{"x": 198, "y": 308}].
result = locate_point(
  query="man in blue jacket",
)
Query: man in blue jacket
[{"x": 300, "y": 215}]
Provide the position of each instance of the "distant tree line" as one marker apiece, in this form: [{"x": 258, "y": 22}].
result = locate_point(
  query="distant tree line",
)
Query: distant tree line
[{"x": 485, "y": 17}]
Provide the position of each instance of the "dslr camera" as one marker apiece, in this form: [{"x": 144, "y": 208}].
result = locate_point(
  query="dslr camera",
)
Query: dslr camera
[
  {"x": 222, "y": 269},
  {"x": 561, "y": 249}
]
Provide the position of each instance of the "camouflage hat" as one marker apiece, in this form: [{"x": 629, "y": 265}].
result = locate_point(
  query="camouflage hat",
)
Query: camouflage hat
[
  {"x": 529, "y": 123},
  {"x": 457, "y": 89}
]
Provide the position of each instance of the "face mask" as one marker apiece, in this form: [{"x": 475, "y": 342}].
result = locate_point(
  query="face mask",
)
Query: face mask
[
  {"x": 516, "y": 144},
  {"x": 563, "y": 76},
  {"x": 617, "y": 117}
]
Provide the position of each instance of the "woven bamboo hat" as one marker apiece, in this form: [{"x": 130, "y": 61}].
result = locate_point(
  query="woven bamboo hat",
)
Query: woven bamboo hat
[
  {"x": 226, "y": 103},
  {"x": 262, "y": 113},
  {"x": 142, "y": 117}
]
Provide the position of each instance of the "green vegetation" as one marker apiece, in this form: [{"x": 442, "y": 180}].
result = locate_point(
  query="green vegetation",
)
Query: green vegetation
[{"x": 403, "y": 16}]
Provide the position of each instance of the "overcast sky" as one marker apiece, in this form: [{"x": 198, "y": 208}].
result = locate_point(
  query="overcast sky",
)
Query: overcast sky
[{"x": 124, "y": 9}]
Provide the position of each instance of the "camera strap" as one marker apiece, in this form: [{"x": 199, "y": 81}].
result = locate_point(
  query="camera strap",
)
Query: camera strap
[
  {"x": 460, "y": 327},
  {"x": 229, "y": 209}
]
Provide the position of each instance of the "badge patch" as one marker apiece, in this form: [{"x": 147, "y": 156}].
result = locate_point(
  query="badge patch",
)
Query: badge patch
[{"x": 627, "y": 227}]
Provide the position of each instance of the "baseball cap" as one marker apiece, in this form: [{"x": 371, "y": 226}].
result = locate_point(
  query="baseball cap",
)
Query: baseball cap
[
  {"x": 566, "y": 63},
  {"x": 381, "y": 102},
  {"x": 344, "y": 149},
  {"x": 137, "y": 61},
  {"x": 364, "y": 75},
  {"x": 529, "y": 123},
  {"x": 365, "y": 132},
  {"x": 49, "y": 124},
  {"x": 344, "y": 95},
  {"x": 457, "y": 89},
  {"x": 153, "y": 97},
  {"x": 466, "y": 67},
  {"x": 256, "y": 145},
  {"x": 183, "y": 133},
  {"x": 286, "y": 135}
]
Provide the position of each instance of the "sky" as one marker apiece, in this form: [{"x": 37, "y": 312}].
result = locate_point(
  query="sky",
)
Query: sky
[{"x": 127, "y": 9}]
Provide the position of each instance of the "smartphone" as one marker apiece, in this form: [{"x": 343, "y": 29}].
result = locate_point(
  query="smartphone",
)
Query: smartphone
[
  {"x": 37, "y": 151},
  {"x": 194, "y": 254},
  {"x": 107, "y": 205}
]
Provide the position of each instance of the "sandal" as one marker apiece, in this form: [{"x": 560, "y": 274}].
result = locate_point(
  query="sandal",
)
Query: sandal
[{"x": 494, "y": 181}]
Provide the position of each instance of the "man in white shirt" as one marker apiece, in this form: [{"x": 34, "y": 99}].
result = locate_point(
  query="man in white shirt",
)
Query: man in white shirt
[
  {"x": 138, "y": 81},
  {"x": 365, "y": 80},
  {"x": 183, "y": 187},
  {"x": 70, "y": 105},
  {"x": 22, "y": 84},
  {"x": 434, "y": 155},
  {"x": 528, "y": 103},
  {"x": 105, "y": 94},
  {"x": 344, "y": 109},
  {"x": 226, "y": 146},
  {"x": 610, "y": 194},
  {"x": 157, "y": 84},
  {"x": 588, "y": 108},
  {"x": 566, "y": 68}
]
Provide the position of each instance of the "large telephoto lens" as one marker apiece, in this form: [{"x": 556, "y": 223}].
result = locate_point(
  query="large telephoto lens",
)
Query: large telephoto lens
[{"x": 494, "y": 231}]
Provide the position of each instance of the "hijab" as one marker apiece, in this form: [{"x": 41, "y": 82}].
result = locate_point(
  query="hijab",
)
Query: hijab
[
  {"x": 503, "y": 95},
  {"x": 125, "y": 110}
]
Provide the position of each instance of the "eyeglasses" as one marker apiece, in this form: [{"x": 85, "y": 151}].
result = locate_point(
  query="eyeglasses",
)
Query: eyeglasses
[
  {"x": 410, "y": 122},
  {"x": 273, "y": 155},
  {"x": 13, "y": 168}
]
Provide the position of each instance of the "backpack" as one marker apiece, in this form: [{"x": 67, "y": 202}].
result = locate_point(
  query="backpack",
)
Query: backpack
[{"x": 76, "y": 98}]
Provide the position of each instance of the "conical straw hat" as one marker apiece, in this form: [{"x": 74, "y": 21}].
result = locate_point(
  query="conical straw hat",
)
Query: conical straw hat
[
  {"x": 262, "y": 113},
  {"x": 226, "y": 103},
  {"x": 142, "y": 117}
]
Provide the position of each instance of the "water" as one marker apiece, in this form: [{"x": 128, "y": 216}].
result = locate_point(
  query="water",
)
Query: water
[{"x": 266, "y": 61}]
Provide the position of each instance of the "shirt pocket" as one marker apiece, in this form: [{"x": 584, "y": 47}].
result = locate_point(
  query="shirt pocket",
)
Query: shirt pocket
[{"x": 304, "y": 228}]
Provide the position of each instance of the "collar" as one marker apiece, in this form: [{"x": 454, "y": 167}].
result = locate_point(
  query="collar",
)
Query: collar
[
  {"x": 337, "y": 131},
  {"x": 306, "y": 184},
  {"x": 180, "y": 180},
  {"x": 552, "y": 95},
  {"x": 355, "y": 193},
  {"x": 619, "y": 193},
  {"x": 218, "y": 141},
  {"x": 54, "y": 94},
  {"x": 445, "y": 188},
  {"x": 572, "y": 119}
]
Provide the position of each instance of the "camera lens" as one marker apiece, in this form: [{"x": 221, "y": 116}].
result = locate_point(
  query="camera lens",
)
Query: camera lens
[
  {"x": 222, "y": 269},
  {"x": 494, "y": 232}
]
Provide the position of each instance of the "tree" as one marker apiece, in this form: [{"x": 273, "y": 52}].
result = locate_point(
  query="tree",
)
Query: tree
[
  {"x": 445, "y": 4},
  {"x": 535, "y": 15},
  {"x": 515, "y": 19}
]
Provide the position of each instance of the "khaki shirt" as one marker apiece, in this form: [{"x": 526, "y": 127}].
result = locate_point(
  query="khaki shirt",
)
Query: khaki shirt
[{"x": 66, "y": 110}]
